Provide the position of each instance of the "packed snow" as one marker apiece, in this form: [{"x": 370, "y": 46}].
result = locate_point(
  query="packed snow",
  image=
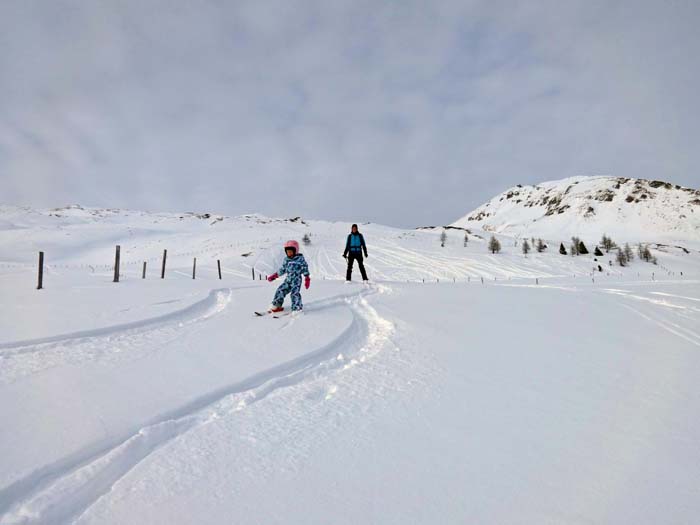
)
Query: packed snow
[{"x": 458, "y": 386}]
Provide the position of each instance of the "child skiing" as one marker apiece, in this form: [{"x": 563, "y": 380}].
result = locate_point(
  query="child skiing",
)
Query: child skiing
[{"x": 294, "y": 266}]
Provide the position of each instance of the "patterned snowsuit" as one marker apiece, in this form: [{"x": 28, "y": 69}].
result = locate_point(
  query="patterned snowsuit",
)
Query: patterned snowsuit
[{"x": 294, "y": 267}]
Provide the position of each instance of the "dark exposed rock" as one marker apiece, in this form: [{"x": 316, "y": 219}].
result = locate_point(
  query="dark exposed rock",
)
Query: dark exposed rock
[
  {"x": 605, "y": 195},
  {"x": 659, "y": 184}
]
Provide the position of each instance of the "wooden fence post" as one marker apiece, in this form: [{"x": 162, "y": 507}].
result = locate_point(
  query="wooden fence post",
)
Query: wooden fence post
[
  {"x": 41, "y": 271},
  {"x": 218, "y": 263},
  {"x": 116, "y": 264},
  {"x": 194, "y": 268},
  {"x": 253, "y": 270},
  {"x": 143, "y": 275},
  {"x": 165, "y": 256}
]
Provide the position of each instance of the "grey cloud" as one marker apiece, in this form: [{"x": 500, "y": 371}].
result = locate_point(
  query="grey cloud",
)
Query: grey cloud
[{"x": 405, "y": 113}]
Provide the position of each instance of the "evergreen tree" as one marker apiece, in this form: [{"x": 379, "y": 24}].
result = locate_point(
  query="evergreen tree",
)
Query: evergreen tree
[
  {"x": 526, "y": 247},
  {"x": 629, "y": 254},
  {"x": 621, "y": 258},
  {"x": 597, "y": 252},
  {"x": 562, "y": 249},
  {"x": 494, "y": 245},
  {"x": 648, "y": 257},
  {"x": 575, "y": 245},
  {"x": 582, "y": 248},
  {"x": 540, "y": 246},
  {"x": 607, "y": 243},
  {"x": 644, "y": 252}
]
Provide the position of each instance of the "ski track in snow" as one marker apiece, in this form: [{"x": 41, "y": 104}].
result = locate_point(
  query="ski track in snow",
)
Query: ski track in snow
[
  {"x": 113, "y": 343},
  {"x": 389, "y": 261},
  {"x": 668, "y": 315},
  {"x": 432, "y": 265},
  {"x": 674, "y": 328},
  {"x": 676, "y": 296},
  {"x": 63, "y": 491},
  {"x": 657, "y": 302}
]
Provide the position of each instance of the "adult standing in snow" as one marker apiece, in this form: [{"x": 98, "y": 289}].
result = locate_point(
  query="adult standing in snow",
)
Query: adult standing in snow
[{"x": 354, "y": 247}]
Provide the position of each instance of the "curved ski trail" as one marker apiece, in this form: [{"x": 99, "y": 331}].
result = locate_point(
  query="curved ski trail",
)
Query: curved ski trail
[
  {"x": 115, "y": 342},
  {"x": 65, "y": 490}
]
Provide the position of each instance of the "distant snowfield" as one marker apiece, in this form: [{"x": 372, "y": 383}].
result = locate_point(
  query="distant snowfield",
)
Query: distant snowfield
[{"x": 548, "y": 393}]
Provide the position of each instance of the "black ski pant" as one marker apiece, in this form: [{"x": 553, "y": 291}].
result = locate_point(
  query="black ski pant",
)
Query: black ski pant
[{"x": 351, "y": 259}]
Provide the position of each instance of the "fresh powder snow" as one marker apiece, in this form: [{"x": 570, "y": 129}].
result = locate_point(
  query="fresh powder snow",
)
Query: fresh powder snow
[{"x": 458, "y": 386}]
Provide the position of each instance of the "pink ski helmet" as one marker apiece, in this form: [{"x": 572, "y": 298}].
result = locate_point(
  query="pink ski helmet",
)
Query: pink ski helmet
[{"x": 294, "y": 245}]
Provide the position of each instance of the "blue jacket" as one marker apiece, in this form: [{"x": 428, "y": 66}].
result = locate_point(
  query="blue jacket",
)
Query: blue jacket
[
  {"x": 355, "y": 244},
  {"x": 294, "y": 267}
]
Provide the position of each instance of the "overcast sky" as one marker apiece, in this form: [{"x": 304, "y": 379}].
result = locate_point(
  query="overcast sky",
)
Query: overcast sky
[{"x": 401, "y": 112}]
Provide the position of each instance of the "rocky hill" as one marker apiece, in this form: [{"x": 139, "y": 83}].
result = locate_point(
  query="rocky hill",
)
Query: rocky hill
[{"x": 629, "y": 209}]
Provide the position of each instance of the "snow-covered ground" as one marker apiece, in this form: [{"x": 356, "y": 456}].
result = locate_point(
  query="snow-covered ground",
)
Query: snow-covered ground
[
  {"x": 637, "y": 210},
  {"x": 458, "y": 387}
]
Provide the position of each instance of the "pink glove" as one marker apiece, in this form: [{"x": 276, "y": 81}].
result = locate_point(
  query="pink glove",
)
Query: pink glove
[
  {"x": 307, "y": 282},
  {"x": 272, "y": 277}
]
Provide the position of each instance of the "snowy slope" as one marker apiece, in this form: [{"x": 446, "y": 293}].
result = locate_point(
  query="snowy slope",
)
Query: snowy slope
[
  {"x": 630, "y": 210},
  {"x": 540, "y": 394}
]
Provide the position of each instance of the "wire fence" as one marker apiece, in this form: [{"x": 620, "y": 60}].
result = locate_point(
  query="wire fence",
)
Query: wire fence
[{"x": 262, "y": 263}]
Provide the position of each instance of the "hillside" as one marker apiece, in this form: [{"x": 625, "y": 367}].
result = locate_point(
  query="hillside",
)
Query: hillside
[
  {"x": 79, "y": 243},
  {"x": 630, "y": 210}
]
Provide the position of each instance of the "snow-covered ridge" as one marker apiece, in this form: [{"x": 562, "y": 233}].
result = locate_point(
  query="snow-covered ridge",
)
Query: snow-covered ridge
[
  {"x": 630, "y": 209},
  {"x": 75, "y": 213},
  {"x": 81, "y": 241}
]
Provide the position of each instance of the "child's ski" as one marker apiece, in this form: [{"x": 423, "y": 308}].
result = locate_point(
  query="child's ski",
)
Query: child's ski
[
  {"x": 267, "y": 312},
  {"x": 273, "y": 314}
]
